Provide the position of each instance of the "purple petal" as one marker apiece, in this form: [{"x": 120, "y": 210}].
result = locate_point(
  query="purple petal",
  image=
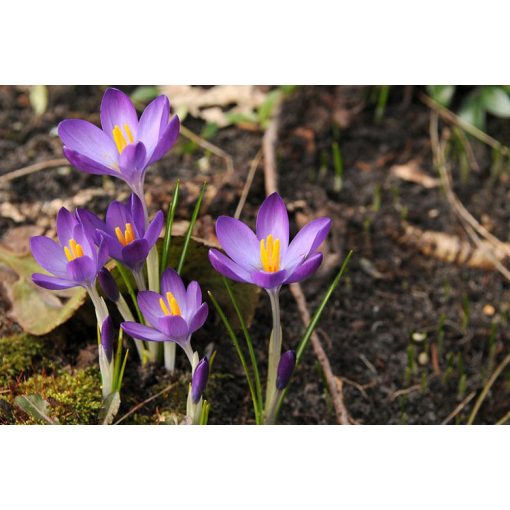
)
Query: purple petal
[
  {"x": 53, "y": 283},
  {"x": 154, "y": 229},
  {"x": 193, "y": 297},
  {"x": 88, "y": 165},
  {"x": 305, "y": 269},
  {"x": 142, "y": 332},
  {"x": 132, "y": 163},
  {"x": 238, "y": 242},
  {"x": 153, "y": 120},
  {"x": 49, "y": 254},
  {"x": 65, "y": 226},
  {"x": 107, "y": 337},
  {"x": 199, "y": 380},
  {"x": 86, "y": 242},
  {"x": 91, "y": 224},
  {"x": 137, "y": 214},
  {"x": 118, "y": 110},
  {"x": 103, "y": 253},
  {"x": 227, "y": 267},
  {"x": 135, "y": 253},
  {"x": 268, "y": 280},
  {"x": 307, "y": 240},
  {"x": 174, "y": 326},
  {"x": 172, "y": 282},
  {"x": 118, "y": 215},
  {"x": 88, "y": 140},
  {"x": 114, "y": 247},
  {"x": 82, "y": 270},
  {"x": 166, "y": 140},
  {"x": 148, "y": 302},
  {"x": 273, "y": 219},
  {"x": 198, "y": 319}
]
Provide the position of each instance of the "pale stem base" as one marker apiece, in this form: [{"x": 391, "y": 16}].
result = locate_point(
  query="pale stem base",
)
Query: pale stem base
[
  {"x": 275, "y": 347},
  {"x": 124, "y": 310},
  {"x": 170, "y": 349}
]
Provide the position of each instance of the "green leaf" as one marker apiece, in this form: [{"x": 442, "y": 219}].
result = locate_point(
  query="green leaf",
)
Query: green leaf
[
  {"x": 110, "y": 408},
  {"x": 443, "y": 94},
  {"x": 38, "y": 311},
  {"x": 496, "y": 101},
  {"x": 36, "y": 407},
  {"x": 144, "y": 94},
  {"x": 39, "y": 98}
]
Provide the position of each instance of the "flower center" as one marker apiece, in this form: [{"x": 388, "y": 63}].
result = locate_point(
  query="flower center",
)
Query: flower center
[
  {"x": 270, "y": 254},
  {"x": 127, "y": 237},
  {"x": 120, "y": 138},
  {"x": 74, "y": 250},
  {"x": 171, "y": 307}
]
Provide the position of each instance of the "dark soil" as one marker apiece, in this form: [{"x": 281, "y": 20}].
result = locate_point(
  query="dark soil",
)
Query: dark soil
[{"x": 392, "y": 293}]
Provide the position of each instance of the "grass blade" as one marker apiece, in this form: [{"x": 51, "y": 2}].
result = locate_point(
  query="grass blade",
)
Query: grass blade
[
  {"x": 235, "y": 341},
  {"x": 168, "y": 229},
  {"x": 190, "y": 228}
]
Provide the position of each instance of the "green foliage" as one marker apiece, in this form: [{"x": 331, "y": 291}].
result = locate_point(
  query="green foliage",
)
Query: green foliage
[
  {"x": 443, "y": 94},
  {"x": 18, "y": 355},
  {"x": 143, "y": 94},
  {"x": 74, "y": 398}
]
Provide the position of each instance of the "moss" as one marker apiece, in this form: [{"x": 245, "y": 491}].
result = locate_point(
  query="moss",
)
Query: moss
[
  {"x": 74, "y": 398},
  {"x": 18, "y": 355}
]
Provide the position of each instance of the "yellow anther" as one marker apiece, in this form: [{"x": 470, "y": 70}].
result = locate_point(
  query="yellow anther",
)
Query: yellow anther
[
  {"x": 127, "y": 237},
  {"x": 74, "y": 250},
  {"x": 171, "y": 307},
  {"x": 128, "y": 133},
  {"x": 119, "y": 138},
  {"x": 270, "y": 254}
]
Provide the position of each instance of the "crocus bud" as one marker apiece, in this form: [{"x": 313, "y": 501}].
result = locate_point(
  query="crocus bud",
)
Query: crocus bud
[
  {"x": 199, "y": 380},
  {"x": 108, "y": 285},
  {"x": 107, "y": 338},
  {"x": 285, "y": 369}
]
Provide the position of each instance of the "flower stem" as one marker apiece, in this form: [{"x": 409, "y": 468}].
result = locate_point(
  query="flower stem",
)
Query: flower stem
[
  {"x": 153, "y": 269},
  {"x": 139, "y": 280},
  {"x": 99, "y": 304},
  {"x": 169, "y": 348},
  {"x": 275, "y": 347},
  {"x": 270, "y": 417},
  {"x": 124, "y": 310}
]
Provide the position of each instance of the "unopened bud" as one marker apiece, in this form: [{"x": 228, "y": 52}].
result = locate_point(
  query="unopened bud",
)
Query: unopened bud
[{"x": 285, "y": 369}]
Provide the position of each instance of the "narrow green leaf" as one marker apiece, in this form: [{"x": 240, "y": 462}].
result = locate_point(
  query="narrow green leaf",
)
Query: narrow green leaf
[
  {"x": 190, "y": 228},
  {"x": 168, "y": 229},
  {"x": 36, "y": 407}
]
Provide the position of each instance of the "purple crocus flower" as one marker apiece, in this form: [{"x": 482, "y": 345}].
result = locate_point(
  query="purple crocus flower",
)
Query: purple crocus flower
[
  {"x": 125, "y": 146},
  {"x": 107, "y": 338},
  {"x": 199, "y": 380},
  {"x": 285, "y": 369},
  {"x": 73, "y": 261},
  {"x": 266, "y": 258},
  {"x": 172, "y": 315},
  {"x": 129, "y": 242},
  {"x": 108, "y": 285}
]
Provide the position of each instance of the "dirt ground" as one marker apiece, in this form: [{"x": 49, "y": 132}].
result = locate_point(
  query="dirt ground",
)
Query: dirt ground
[{"x": 411, "y": 336}]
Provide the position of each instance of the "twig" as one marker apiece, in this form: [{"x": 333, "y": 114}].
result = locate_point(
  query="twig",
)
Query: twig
[
  {"x": 405, "y": 391},
  {"x": 503, "y": 420},
  {"x": 469, "y": 128},
  {"x": 141, "y": 404},
  {"x": 487, "y": 387},
  {"x": 247, "y": 186},
  {"x": 31, "y": 169},
  {"x": 271, "y": 185},
  {"x": 459, "y": 408},
  {"x": 209, "y": 147}
]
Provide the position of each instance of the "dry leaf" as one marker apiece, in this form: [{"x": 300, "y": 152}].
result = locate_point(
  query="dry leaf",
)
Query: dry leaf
[{"x": 412, "y": 172}]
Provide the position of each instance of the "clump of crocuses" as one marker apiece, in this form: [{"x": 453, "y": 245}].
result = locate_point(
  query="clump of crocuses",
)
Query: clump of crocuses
[{"x": 168, "y": 312}]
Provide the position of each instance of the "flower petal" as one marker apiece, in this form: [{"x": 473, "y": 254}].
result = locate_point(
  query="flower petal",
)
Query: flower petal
[
  {"x": 273, "y": 219},
  {"x": 82, "y": 270},
  {"x": 137, "y": 214},
  {"x": 198, "y": 319},
  {"x": 153, "y": 121},
  {"x": 132, "y": 164},
  {"x": 135, "y": 253},
  {"x": 118, "y": 110},
  {"x": 166, "y": 140},
  {"x": 154, "y": 229},
  {"x": 88, "y": 165},
  {"x": 227, "y": 267},
  {"x": 172, "y": 282},
  {"x": 193, "y": 297},
  {"x": 91, "y": 224},
  {"x": 88, "y": 140},
  {"x": 238, "y": 242},
  {"x": 118, "y": 215},
  {"x": 141, "y": 332},
  {"x": 307, "y": 240},
  {"x": 174, "y": 326},
  {"x": 49, "y": 254},
  {"x": 65, "y": 225},
  {"x": 306, "y": 269},
  {"x": 268, "y": 280},
  {"x": 51, "y": 283},
  {"x": 148, "y": 302}
]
